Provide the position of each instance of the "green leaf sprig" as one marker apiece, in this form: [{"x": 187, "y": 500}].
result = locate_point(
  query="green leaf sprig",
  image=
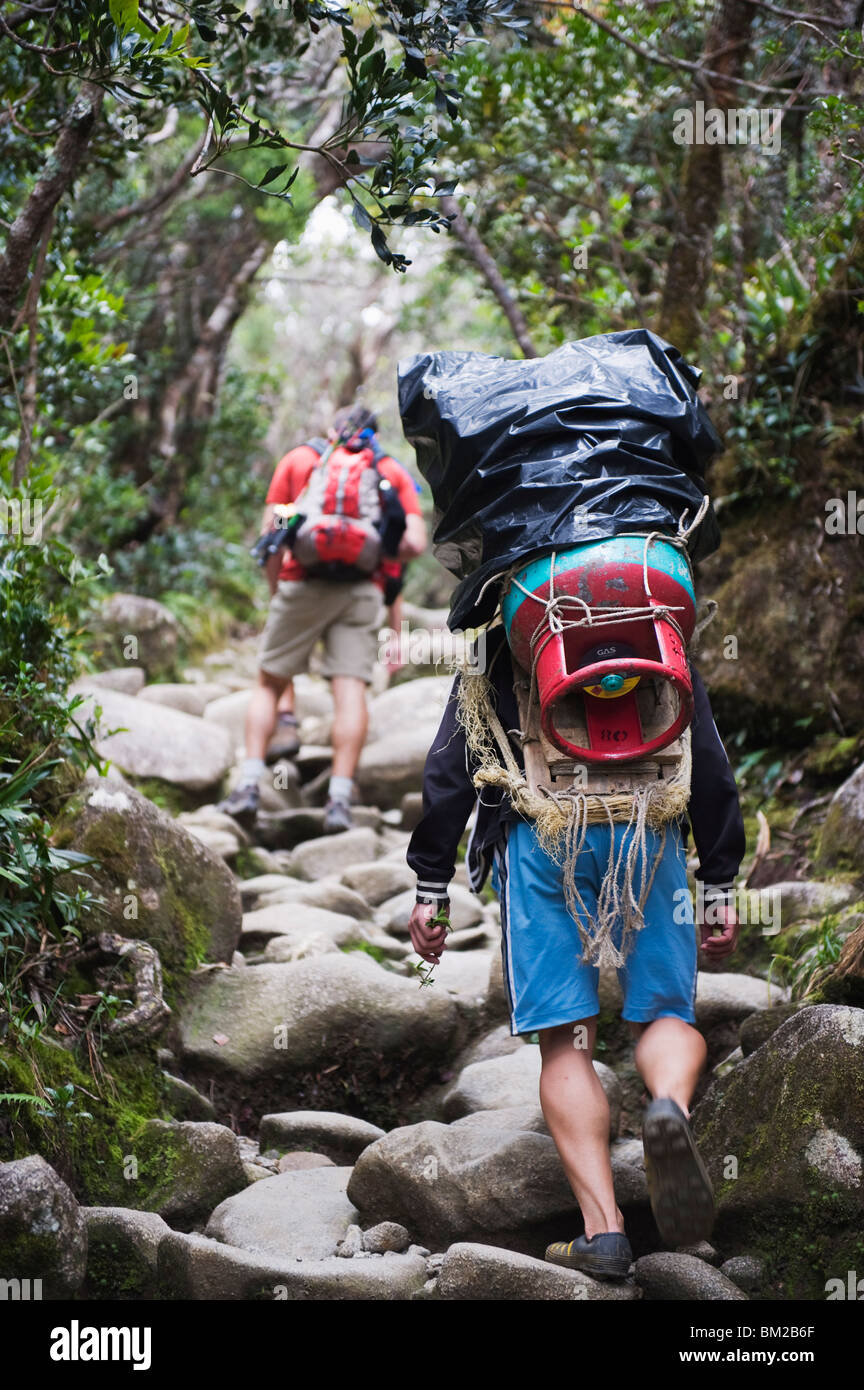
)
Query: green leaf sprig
[{"x": 425, "y": 969}]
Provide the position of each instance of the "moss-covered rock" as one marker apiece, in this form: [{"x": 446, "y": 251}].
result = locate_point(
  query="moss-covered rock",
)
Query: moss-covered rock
[
  {"x": 129, "y": 625},
  {"x": 794, "y": 607},
  {"x": 158, "y": 883},
  {"x": 783, "y": 1138},
  {"x": 759, "y": 1027},
  {"x": 183, "y": 1171},
  {"x": 89, "y": 1137},
  {"x": 122, "y": 1253},
  {"x": 335, "y": 1032},
  {"x": 841, "y": 842},
  {"x": 43, "y": 1235}
]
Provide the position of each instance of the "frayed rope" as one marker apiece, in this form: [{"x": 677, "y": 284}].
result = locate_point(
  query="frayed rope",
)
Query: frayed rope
[{"x": 561, "y": 823}]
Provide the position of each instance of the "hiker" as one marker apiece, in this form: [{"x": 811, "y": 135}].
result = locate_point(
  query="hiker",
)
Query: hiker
[
  {"x": 341, "y": 520},
  {"x": 553, "y": 991},
  {"x": 285, "y": 742}
]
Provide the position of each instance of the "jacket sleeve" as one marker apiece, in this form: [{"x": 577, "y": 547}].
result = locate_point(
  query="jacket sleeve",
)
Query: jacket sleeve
[
  {"x": 448, "y": 799},
  {"x": 714, "y": 810}
]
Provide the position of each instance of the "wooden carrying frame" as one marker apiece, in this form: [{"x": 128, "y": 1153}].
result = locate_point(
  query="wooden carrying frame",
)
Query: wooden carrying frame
[{"x": 548, "y": 771}]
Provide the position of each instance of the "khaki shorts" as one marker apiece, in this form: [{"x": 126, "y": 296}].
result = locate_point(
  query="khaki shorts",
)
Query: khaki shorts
[{"x": 346, "y": 617}]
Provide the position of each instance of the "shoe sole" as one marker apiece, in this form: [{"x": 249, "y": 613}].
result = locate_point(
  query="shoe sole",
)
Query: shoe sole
[
  {"x": 602, "y": 1266},
  {"x": 682, "y": 1198},
  {"x": 277, "y": 753},
  {"x": 245, "y": 819}
]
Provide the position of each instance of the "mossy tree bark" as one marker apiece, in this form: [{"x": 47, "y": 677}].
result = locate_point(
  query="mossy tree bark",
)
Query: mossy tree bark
[{"x": 688, "y": 273}]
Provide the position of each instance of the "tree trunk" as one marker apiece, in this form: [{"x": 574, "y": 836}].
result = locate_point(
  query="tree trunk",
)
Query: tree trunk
[
  {"x": 187, "y": 403},
  {"x": 688, "y": 271},
  {"x": 58, "y": 174}
]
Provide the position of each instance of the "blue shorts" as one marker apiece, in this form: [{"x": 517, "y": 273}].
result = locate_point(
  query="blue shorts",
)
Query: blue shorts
[{"x": 547, "y": 982}]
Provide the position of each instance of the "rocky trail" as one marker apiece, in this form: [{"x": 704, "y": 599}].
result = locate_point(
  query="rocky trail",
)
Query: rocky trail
[{"x": 333, "y": 1129}]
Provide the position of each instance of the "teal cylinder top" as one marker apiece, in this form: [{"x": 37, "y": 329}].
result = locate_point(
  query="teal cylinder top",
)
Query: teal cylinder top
[{"x": 618, "y": 550}]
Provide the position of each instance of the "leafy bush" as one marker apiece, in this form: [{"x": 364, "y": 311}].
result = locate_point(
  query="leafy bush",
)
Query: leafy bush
[
  {"x": 44, "y": 751},
  {"x": 810, "y": 954}
]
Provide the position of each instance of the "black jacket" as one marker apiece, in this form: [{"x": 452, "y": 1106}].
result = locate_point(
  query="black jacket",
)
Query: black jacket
[{"x": 449, "y": 795}]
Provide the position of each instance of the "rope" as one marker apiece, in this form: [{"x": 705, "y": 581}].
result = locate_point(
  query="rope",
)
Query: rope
[{"x": 561, "y": 821}]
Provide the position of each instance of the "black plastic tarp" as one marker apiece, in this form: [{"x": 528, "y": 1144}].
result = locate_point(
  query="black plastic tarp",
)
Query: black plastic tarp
[{"x": 602, "y": 436}]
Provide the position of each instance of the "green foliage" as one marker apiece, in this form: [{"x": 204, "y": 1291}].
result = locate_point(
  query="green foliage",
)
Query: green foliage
[
  {"x": 425, "y": 970},
  {"x": 810, "y": 952},
  {"x": 767, "y": 426},
  {"x": 44, "y": 750},
  {"x": 148, "y": 56},
  {"x": 368, "y": 949},
  {"x": 60, "y": 1104},
  {"x": 557, "y": 144},
  {"x": 43, "y": 591},
  {"x": 207, "y": 553},
  {"x": 39, "y": 918}
]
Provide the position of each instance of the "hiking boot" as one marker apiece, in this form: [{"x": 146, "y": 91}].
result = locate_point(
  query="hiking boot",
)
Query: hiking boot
[
  {"x": 242, "y": 805},
  {"x": 606, "y": 1255},
  {"x": 337, "y": 816},
  {"x": 682, "y": 1198},
  {"x": 285, "y": 743}
]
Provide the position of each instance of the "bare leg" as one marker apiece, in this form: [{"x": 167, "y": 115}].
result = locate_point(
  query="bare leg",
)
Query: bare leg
[
  {"x": 670, "y": 1055},
  {"x": 350, "y": 723},
  {"x": 286, "y": 699},
  {"x": 261, "y": 713},
  {"x": 577, "y": 1113}
]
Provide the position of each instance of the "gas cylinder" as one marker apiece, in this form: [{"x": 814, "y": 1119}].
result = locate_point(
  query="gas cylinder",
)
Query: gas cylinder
[{"x": 597, "y": 623}]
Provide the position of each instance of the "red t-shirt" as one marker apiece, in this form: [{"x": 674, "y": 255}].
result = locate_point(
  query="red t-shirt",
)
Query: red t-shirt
[{"x": 292, "y": 475}]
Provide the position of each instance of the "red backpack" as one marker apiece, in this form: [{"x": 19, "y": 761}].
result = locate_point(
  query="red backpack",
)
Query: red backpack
[{"x": 347, "y": 511}]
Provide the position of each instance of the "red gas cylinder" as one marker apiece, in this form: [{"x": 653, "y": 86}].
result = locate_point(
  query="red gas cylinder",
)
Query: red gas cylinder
[{"x": 594, "y": 622}]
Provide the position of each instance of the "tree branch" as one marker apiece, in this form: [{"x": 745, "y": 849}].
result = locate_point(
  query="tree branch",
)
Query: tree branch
[
  {"x": 653, "y": 55},
  {"x": 30, "y": 313},
  {"x": 213, "y": 329},
  {"x": 25, "y": 12},
  {"x": 58, "y": 174},
  {"x": 158, "y": 199},
  {"x": 797, "y": 16},
  {"x": 481, "y": 255}
]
